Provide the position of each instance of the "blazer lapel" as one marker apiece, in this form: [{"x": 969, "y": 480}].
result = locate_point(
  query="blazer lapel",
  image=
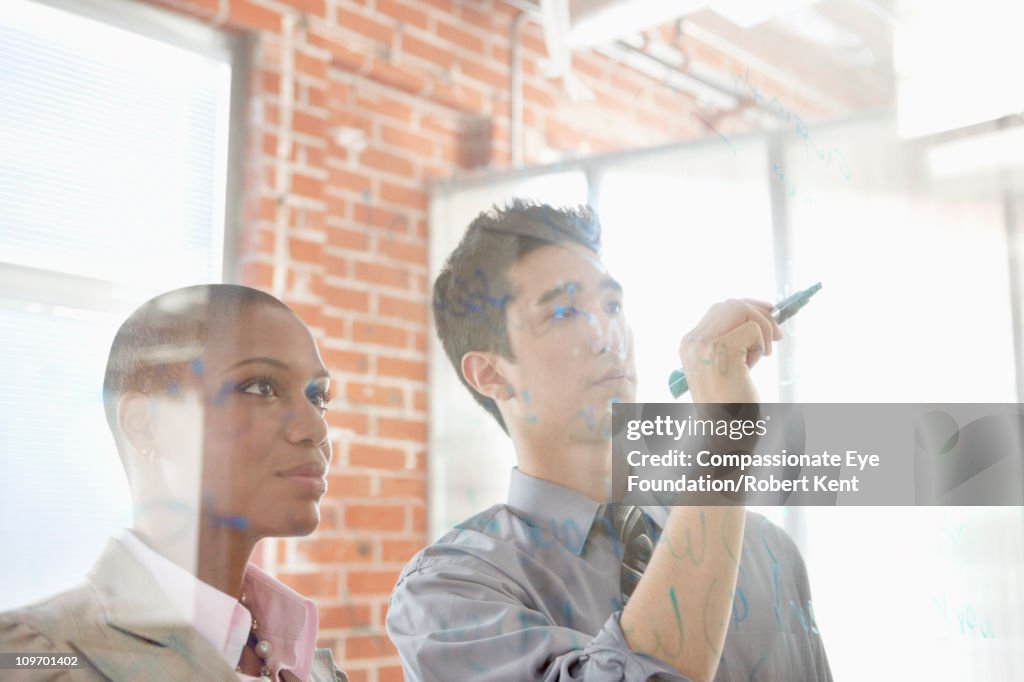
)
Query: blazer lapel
[{"x": 148, "y": 639}]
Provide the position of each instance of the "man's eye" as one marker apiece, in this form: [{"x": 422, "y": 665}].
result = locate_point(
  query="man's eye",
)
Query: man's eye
[
  {"x": 261, "y": 386},
  {"x": 614, "y": 307},
  {"x": 563, "y": 312}
]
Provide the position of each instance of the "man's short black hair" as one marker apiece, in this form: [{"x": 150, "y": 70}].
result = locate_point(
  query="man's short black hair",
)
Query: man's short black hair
[
  {"x": 159, "y": 347},
  {"x": 473, "y": 288}
]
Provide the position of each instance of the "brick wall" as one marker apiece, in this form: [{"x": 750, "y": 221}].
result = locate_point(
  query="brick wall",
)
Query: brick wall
[{"x": 410, "y": 81}]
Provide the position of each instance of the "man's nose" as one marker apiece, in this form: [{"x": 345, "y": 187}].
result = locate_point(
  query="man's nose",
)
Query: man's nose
[{"x": 606, "y": 334}]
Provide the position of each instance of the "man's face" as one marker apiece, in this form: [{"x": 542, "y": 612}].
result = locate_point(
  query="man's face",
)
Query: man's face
[{"x": 572, "y": 345}]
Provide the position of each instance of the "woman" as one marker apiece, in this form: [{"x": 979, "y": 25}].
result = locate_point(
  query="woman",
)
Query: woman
[{"x": 215, "y": 395}]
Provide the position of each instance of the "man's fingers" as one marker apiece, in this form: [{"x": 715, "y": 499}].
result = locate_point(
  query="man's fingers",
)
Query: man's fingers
[
  {"x": 767, "y": 308},
  {"x": 745, "y": 342}
]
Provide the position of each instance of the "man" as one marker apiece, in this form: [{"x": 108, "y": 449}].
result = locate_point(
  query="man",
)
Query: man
[
  {"x": 533, "y": 589},
  {"x": 215, "y": 395}
]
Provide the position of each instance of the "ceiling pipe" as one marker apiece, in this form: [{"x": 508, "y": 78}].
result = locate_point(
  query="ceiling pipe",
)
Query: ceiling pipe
[{"x": 515, "y": 95}]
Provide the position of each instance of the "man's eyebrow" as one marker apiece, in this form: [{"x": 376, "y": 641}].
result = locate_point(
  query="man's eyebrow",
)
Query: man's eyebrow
[
  {"x": 572, "y": 287},
  {"x": 611, "y": 283},
  {"x": 555, "y": 292}
]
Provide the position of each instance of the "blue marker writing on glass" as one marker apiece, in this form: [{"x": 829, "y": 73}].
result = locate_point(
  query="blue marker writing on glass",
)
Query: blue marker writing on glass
[{"x": 782, "y": 311}]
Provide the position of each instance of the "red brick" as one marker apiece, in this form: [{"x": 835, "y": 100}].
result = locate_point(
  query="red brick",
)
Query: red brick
[
  {"x": 446, "y": 6},
  {"x": 418, "y": 519},
  {"x": 337, "y": 207},
  {"x": 463, "y": 39},
  {"x": 307, "y": 312},
  {"x": 394, "y": 551},
  {"x": 386, "y": 161},
  {"x": 314, "y": 584},
  {"x": 346, "y": 298},
  {"x": 390, "y": 673},
  {"x": 310, "y": 65},
  {"x": 424, "y": 50},
  {"x": 386, "y": 106},
  {"x": 385, "y": 275},
  {"x": 402, "y": 429},
  {"x": 344, "y": 617},
  {"x": 407, "y": 140},
  {"x": 347, "y": 239},
  {"x": 315, "y": 7},
  {"x": 372, "y": 582},
  {"x": 413, "y": 198},
  {"x": 353, "y": 421},
  {"x": 374, "y": 456},
  {"x": 404, "y": 369},
  {"x": 374, "y": 517},
  {"x": 368, "y": 646},
  {"x": 403, "y": 487},
  {"x": 485, "y": 74},
  {"x": 354, "y": 674},
  {"x": 256, "y": 274},
  {"x": 335, "y": 550},
  {"x": 404, "y": 77},
  {"x": 375, "y": 30},
  {"x": 478, "y": 19},
  {"x": 308, "y": 124},
  {"x": 346, "y": 485},
  {"x": 345, "y": 361},
  {"x": 368, "y": 394},
  {"x": 340, "y": 178},
  {"x": 376, "y": 216},
  {"x": 252, "y": 16},
  {"x": 419, "y": 401},
  {"x": 379, "y": 334},
  {"x": 270, "y": 82},
  {"x": 307, "y": 186},
  {"x": 304, "y": 250},
  {"x": 401, "y": 11},
  {"x": 335, "y": 326},
  {"x": 335, "y": 264},
  {"x": 416, "y": 254}
]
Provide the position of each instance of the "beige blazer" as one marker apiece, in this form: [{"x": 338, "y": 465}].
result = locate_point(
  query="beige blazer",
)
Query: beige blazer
[{"x": 122, "y": 628}]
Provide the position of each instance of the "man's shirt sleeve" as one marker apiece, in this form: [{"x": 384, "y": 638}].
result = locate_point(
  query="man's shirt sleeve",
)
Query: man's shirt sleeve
[{"x": 459, "y": 621}]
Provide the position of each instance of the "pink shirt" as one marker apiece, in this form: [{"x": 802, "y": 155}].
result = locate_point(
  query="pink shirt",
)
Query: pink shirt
[{"x": 287, "y": 620}]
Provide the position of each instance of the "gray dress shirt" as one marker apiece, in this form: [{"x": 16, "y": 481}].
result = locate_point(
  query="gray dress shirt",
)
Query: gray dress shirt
[{"x": 529, "y": 590}]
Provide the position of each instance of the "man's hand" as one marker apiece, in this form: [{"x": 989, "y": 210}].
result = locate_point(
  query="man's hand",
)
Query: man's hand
[{"x": 718, "y": 353}]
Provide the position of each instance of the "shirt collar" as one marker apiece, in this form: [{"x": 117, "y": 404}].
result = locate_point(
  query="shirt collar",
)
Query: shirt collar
[
  {"x": 287, "y": 619},
  {"x": 566, "y": 514}
]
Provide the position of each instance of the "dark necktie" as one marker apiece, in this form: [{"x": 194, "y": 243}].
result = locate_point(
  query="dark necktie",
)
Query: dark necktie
[{"x": 634, "y": 531}]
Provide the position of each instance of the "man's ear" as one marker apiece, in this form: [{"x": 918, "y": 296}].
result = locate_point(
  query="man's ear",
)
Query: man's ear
[
  {"x": 482, "y": 373},
  {"x": 135, "y": 421}
]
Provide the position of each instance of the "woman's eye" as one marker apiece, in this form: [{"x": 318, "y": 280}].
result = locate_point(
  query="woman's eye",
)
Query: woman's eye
[
  {"x": 264, "y": 387},
  {"x": 320, "y": 399},
  {"x": 563, "y": 312}
]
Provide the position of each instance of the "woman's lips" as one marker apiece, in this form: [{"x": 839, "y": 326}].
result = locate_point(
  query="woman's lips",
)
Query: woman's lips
[{"x": 311, "y": 475}]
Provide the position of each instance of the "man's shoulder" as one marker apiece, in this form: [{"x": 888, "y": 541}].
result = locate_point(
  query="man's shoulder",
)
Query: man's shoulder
[{"x": 486, "y": 538}]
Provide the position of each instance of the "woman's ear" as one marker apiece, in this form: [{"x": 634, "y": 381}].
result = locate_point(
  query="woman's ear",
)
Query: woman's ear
[
  {"x": 482, "y": 373},
  {"x": 135, "y": 421}
]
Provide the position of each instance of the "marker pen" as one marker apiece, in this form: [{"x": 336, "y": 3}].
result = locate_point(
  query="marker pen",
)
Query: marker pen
[{"x": 781, "y": 311}]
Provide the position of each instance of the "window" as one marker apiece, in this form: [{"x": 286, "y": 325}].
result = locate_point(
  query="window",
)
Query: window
[{"x": 113, "y": 176}]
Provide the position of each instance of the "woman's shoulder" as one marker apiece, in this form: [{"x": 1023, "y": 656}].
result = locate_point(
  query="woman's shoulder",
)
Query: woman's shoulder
[{"x": 43, "y": 625}]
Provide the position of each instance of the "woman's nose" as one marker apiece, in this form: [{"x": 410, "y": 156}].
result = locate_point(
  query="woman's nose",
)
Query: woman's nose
[{"x": 306, "y": 423}]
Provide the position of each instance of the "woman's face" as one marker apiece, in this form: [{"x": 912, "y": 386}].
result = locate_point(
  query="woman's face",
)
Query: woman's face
[{"x": 264, "y": 444}]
